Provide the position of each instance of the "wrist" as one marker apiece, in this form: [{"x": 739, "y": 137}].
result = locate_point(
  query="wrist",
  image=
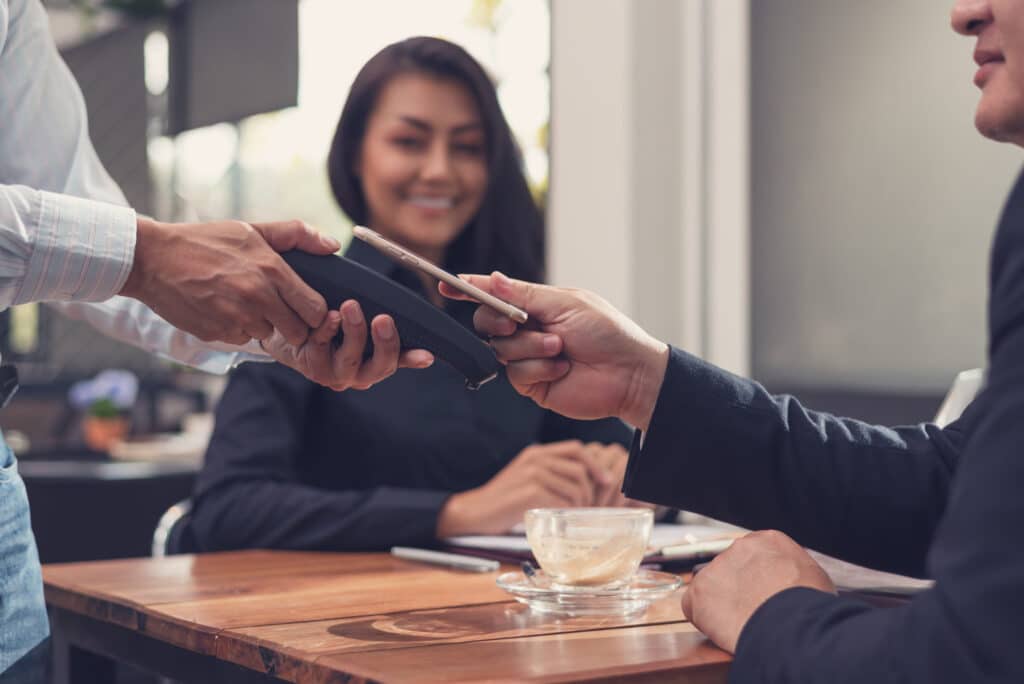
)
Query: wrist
[
  {"x": 147, "y": 231},
  {"x": 450, "y": 519},
  {"x": 645, "y": 385}
]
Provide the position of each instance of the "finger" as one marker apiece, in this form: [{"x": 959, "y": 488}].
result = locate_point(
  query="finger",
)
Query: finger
[
  {"x": 524, "y": 374},
  {"x": 295, "y": 234},
  {"x": 328, "y": 329},
  {"x": 686, "y": 602},
  {"x": 259, "y": 330},
  {"x": 493, "y": 324},
  {"x": 564, "y": 489},
  {"x": 542, "y": 301},
  {"x": 527, "y": 344},
  {"x": 349, "y": 356},
  {"x": 300, "y": 297},
  {"x": 386, "y": 347},
  {"x": 318, "y": 350},
  {"x": 240, "y": 337},
  {"x": 415, "y": 358},
  {"x": 574, "y": 481},
  {"x": 285, "y": 320},
  {"x": 451, "y": 293},
  {"x": 565, "y": 447},
  {"x": 601, "y": 473}
]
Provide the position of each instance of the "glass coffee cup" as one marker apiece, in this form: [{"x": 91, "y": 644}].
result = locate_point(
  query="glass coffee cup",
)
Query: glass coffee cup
[{"x": 589, "y": 547}]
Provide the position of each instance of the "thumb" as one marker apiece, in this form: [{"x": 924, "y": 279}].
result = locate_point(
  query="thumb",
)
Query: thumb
[
  {"x": 542, "y": 302},
  {"x": 285, "y": 235}
]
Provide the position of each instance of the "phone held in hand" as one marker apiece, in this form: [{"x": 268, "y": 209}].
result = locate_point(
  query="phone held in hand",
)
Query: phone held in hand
[{"x": 411, "y": 260}]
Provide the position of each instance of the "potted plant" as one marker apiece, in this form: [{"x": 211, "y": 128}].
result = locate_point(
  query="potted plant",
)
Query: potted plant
[{"x": 105, "y": 402}]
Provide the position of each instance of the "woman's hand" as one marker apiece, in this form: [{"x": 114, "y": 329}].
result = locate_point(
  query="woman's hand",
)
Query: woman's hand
[{"x": 556, "y": 475}]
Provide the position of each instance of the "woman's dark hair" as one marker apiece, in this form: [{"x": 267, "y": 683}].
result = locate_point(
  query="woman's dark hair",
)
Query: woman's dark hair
[{"x": 507, "y": 232}]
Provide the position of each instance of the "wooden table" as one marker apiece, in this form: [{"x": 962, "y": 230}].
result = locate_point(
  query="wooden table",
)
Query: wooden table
[{"x": 256, "y": 616}]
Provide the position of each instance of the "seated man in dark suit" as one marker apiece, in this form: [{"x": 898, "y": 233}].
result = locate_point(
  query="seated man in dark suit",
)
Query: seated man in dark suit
[{"x": 944, "y": 503}]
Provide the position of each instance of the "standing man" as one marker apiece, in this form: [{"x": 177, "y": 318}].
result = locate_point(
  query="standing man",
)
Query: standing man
[
  {"x": 943, "y": 503},
  {"x": 208, "y": 295}
]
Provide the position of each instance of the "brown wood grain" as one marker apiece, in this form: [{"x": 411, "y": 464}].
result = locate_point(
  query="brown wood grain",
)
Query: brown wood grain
[
  {"x": 675, "y": 652},
  {"x": 294, "y": 643},
  {"x": 324, "y": 617}
]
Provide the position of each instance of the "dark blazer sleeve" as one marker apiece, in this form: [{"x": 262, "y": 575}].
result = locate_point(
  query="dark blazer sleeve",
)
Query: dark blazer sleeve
[
  {"x": 722, "y": 446},
  {"x": 968, "y": 627},
  {"x": 249, "y": 497}
]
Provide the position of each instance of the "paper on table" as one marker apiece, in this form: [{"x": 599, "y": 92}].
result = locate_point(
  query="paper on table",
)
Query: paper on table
[
  {"x": 852, "y": 577},
  {"x": 663, "y": 534}
]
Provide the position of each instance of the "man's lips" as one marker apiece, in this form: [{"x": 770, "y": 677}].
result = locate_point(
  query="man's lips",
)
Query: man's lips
[{"x": 987, "y": 61}]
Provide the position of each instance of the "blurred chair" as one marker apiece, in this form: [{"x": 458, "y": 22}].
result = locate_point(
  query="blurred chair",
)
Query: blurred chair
[
  {"x": 966, "y": 386},
  {"x": 166, "y": 537}
]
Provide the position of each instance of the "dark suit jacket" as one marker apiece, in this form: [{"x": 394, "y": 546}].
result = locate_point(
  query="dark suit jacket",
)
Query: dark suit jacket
[
  {"x": 947, "y": 504},
  {"x": 295, "y": 465}
]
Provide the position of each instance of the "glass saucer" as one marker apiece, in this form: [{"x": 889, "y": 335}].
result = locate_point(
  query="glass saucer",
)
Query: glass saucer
[{"x": 543, "y": 596}]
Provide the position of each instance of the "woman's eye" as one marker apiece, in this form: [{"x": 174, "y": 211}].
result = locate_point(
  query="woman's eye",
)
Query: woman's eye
[
  {"x": 408, "y": 143},
  {"x": 470, "y": 149}
]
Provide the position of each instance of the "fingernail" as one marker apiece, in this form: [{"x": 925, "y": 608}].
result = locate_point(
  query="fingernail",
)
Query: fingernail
[
  {"x": 352, "y": 315},
  {"x": 386, "y": 331},
  {"x": 330, "y": 243},
  {"x": 551, "y": 343}
]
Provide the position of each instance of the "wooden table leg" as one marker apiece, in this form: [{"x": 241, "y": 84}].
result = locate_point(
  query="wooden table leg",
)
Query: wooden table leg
[
  {"x": 74, "y": 665},
  {"x": 87, "y": 650}
]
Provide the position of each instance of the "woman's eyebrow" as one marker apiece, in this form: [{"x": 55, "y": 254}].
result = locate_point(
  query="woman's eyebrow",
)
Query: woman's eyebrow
[
  {"x": 424, "y": 126},
  {"x": 466, "y": 127}
]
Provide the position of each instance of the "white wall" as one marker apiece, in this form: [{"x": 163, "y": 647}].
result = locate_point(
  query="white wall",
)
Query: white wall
[
  {"x": 650, "y": 165},
  {"x": 873, "y": 197}
]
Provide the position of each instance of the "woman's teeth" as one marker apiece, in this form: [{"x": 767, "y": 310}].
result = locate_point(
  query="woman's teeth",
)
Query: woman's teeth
[{"x": 432, "y": 202}]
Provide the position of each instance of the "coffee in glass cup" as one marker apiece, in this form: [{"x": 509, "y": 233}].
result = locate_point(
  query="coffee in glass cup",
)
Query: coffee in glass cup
[{"x": 589, "y": 547}]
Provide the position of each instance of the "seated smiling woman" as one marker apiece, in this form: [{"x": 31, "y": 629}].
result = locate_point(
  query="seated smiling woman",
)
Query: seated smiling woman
[{"x": 423, "y": 155}]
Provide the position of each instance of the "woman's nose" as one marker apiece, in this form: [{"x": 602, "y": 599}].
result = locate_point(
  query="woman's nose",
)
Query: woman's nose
[{"x": 438, "y": 163}]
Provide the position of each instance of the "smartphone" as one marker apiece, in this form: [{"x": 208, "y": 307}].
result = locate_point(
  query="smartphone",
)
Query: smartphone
[{"x": 407, "y": 258}]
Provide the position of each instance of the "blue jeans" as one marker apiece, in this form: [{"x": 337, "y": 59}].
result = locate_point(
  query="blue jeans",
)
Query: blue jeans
[{"x": 23, "y": 622}]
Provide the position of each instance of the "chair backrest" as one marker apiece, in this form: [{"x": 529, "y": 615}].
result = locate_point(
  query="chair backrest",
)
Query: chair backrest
[
  {"x": 965, "y": 387},
  {"x": 171, "y": 517}
]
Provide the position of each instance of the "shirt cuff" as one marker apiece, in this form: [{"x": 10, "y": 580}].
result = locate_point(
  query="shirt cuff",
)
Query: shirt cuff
[{"x": 83, "y": 250}]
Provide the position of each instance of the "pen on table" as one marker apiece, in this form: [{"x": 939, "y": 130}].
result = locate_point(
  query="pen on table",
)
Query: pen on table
[
  {"x": 699, "y": 549},
  {"x": 451, "y": 560}
]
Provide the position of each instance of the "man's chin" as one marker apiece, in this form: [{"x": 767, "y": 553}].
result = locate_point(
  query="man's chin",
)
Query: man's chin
[{"x": 1001, "y": 123}]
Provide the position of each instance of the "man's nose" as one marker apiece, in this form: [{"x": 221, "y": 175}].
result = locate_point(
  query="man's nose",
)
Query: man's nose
[{"x": 969, "y": 17}]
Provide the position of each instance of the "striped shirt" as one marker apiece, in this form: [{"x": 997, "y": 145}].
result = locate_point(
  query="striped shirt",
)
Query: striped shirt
[{"x": 66, "y": 236}]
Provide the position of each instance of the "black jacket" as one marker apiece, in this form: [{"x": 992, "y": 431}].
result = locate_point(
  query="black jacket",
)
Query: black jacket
[
  {"x": 293, "y": 465},
  {"x": 946, "y": 504}
]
